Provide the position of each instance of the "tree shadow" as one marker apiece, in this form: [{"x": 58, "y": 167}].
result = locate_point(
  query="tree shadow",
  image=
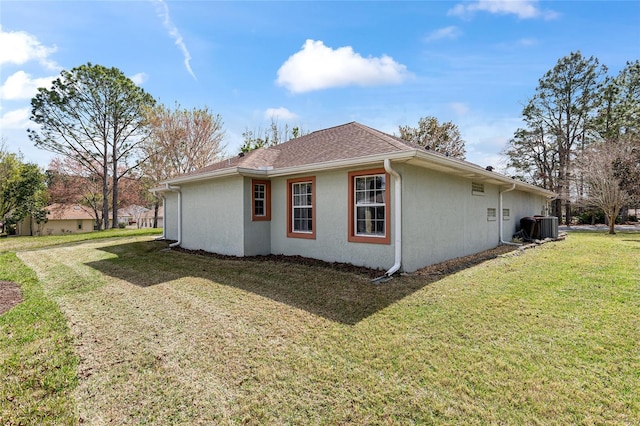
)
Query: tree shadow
[{"x": 328, "y": 290}]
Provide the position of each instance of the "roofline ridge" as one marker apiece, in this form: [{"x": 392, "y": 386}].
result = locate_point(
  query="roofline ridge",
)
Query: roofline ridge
[{"x": 379, "y": 134}]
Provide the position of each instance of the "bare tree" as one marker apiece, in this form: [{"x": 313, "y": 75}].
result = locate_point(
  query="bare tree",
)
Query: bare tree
[
  {"x": 597, "y": 166},
  {"x": 182, "y": 141}
]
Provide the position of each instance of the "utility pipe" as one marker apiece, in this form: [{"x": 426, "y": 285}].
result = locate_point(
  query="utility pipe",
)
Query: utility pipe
[
  {"x": 501, "y": 217},
  {"x": 175, "y": 189},
  {"x": 397, "y": 215}
]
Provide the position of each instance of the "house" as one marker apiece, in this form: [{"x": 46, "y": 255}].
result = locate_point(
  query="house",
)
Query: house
[
  {"x": 61, "y": 219},
  {"x": 347, "y": 194},
  {"x": 146, "y": 218}
]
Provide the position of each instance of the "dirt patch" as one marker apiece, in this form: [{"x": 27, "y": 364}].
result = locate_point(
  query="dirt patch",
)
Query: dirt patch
[{"x": 10, "y": 295}]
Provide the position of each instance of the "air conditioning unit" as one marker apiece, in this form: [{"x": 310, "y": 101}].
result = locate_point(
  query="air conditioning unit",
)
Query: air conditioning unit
[{"x": 548, "y": 227}]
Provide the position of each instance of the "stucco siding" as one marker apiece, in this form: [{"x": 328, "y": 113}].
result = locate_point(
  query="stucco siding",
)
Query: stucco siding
[
  {"x": 521, "y": 204},
  {"x": 71, "y": 226},
  {"x": 257, "y": 234},
  {"x": 171, "y": 216},
  {"x": 331, "y": 242},
  {"x": 212, "y": 216},
  {"x": 442, "y": 219}
]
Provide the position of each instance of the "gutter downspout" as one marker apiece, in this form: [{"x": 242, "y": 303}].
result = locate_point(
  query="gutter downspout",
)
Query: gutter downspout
[
  {"x": 175, "y": 189},
  {"x": 501, "y": 218},
  {"x": 398, "y": 221}
]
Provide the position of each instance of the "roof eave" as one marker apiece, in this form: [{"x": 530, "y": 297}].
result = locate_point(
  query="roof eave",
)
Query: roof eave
[{"x": 473, "y": 171}]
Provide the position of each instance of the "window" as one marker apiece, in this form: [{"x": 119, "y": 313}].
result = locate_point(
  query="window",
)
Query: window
[
  {"x": 477, "y": 188},
  {"x": 301, "y": 218},
  {"x": 491, "y": 213},
  {"x": 369, "y": 207},
  {"x": 261, "y": 200},
  {"x": 506, "y": 214},
  {"x": 79, "y": 225}
]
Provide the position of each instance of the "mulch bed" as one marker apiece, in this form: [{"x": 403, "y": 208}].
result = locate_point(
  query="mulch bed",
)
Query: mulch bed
[
  {"x": 443, "y": 268},
  {"x": 10, "y": 295}
]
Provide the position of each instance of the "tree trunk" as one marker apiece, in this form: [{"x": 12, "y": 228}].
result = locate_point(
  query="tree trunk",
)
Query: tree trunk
[
  {"x": 105, "y": 196},
  {"x": 612, "y": 224},
  {"x": 156, "y": 207}
]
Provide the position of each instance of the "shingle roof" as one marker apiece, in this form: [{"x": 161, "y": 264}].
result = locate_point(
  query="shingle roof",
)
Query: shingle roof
[
  {"x": 351, "y": 140},
  {"x": 67, "y": 212}
]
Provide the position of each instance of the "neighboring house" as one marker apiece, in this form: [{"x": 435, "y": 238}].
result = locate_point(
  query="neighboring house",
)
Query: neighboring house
[
  {"x": 347, "y": 194},
  {"x": 130, "y": 215},
  {"x": 146, "y": 219},
  {"x": 61, "y": 219}
]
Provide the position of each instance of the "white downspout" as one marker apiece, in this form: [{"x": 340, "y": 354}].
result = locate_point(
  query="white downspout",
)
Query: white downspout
[
  {"x": 501, "y": 217},
  {"x": 398, "y": 217},
  {"x": 175, "y": 189}
]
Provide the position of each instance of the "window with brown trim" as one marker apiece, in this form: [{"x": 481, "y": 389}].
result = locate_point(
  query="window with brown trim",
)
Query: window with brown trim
[
  {"x": 369, "y": 197},
  {"x": 301, "y": 207},
  {"x": 260, "y": 200}
]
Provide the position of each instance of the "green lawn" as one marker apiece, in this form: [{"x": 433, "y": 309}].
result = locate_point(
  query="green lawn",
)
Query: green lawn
[{"x": 547, "y": 337}]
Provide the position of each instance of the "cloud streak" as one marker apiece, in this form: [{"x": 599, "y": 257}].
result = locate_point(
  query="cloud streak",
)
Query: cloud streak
[
  {"x": 317, "y": 67},
  {"x": 163, "y": 13},
  {"x": 279, "y": 113},
  {"x": 450, "y": 33},
  {"x": 523, "y": 9}
]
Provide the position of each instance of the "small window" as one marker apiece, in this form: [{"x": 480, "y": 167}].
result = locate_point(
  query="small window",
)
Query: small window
[
  {"x": 261, "y": 200},
  {"x": 491, "y": 213},
  {"x": 477, "y": 188},
  {"x": 79, "y": 225},
  {"x": 506, "y": 214},
  {"x": 301, "y": 218}
]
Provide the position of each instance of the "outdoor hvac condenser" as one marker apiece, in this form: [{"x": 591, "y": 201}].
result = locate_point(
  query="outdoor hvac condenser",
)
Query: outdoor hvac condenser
[{"x": 548, "y": 227}]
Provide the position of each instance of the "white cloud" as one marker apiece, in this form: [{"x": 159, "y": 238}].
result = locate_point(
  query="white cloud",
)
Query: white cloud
[
  {"x": 280, "y": 113},
  {"x": 317, "y": 67},
  {"x": 19, "y": 47},
  {"x": 459, "y": 108},
  {"x": 139, "y": 78},
  {"x": 20, "y": 85},
  {"x": 16, "y": 119},
  {"x": 523, "y": 9},
  {"x": 163, "y": 13},
  {"x": 451, "y": 33}
]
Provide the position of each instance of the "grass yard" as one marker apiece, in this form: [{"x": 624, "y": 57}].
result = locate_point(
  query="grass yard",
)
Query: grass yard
[{"x": 547, "y": 337}]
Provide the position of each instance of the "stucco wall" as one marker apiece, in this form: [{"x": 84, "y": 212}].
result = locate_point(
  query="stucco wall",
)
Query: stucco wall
[
  {"x": 442, "y": 219},
  {"x": 57, "y": 227},
  {"x": 257, "y": 234},
  {"x": 331, "y": 243},
  {"x": 171, "y": 216},
  {"x": 212, "y": 216}
]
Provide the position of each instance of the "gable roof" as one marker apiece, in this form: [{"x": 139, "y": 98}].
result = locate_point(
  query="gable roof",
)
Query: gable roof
[
  {"x": 347, "y": 145},
  {"x": 68, "y": 212}
]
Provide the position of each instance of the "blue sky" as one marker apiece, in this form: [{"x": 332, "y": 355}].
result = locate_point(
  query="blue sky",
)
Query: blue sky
[{"x": 315, "y": 64}]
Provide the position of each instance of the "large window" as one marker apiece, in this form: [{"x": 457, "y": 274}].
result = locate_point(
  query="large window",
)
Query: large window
[
  {"x": 261, "y": 199},
  {"x": 369, "y": 207},
  {"x": 301, "y": 218}
]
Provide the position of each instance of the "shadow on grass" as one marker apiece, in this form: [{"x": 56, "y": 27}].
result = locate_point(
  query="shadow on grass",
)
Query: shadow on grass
[{"x": 345, "y": 296}]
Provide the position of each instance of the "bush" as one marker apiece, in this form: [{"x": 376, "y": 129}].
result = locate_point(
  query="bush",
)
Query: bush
[{"x": 122, "y": 225}]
